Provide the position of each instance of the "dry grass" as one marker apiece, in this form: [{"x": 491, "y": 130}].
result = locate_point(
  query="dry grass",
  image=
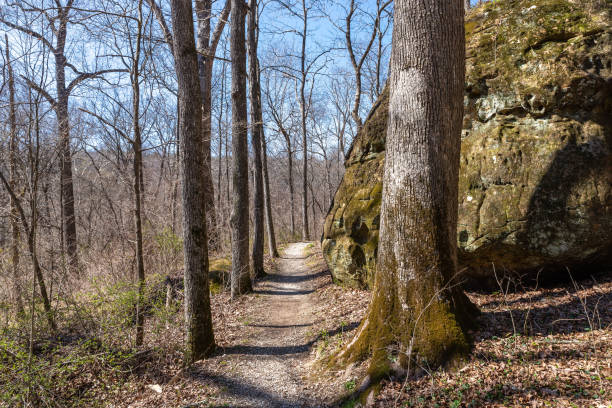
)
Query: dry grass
[{"x": 542, "y": 347}]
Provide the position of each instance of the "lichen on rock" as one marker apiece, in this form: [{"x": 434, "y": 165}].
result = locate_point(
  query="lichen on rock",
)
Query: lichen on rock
[{"x": 536, "y": 170}]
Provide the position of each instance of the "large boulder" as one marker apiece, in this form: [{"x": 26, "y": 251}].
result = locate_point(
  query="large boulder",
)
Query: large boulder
[{"x": 535, "y": 177}]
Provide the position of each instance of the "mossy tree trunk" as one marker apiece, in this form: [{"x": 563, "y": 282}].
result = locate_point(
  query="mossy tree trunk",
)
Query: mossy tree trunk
[
  {"x": 198, "y": 319},
  {"x": 418, "y": 313}
]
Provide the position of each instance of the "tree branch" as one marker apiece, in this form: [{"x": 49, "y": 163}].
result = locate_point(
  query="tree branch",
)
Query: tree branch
[
  {"x": 159, "y": 15},
  {"x": 219, "y": 27},
  {"x": 88, "y": 75},
  {"x": 40, "y": 90},
  {"x": 29, "y": 32}
]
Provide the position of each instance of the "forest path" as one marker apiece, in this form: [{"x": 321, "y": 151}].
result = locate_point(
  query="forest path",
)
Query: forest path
[{"x": 265, "y": 367}]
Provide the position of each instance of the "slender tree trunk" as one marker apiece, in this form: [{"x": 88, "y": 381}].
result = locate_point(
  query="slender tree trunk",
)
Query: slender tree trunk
[
  {"x": 305, "y": 232},
  {"x": 30, "y": 228},
  {"x": 175, "y": 182},
  {"x": 379, "y": 56},
  {"x": 219, "y": 127},
  {"x": 205, "y": 66},
  {"x": 267, "y": 199},
  {"x": 227, "y": 179},
  {"x": 256, "y": 132},
  {"x": 417, "y": 305},
  {"x": 198, "y": 319},
  {"x": 138, "y": 193},
  {"x": 291, "y": 192},
  {"x": 240, "y": 275},
  {"x": 63, "y": 123},
  {"x": 303, "y": 114},
  {"x": 138, "y": 179},
  {"x": 67, "y": 187},
  {"x": 13, "y": 153}
]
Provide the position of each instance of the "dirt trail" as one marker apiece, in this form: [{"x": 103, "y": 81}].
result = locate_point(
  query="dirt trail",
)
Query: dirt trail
[{"x": 265, "y": 368}]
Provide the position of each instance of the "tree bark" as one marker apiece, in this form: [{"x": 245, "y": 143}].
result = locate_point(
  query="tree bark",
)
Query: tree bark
[
  {"x": 138, "y": 183},
  {"x": 198, "y": 320},
  {"x": 256, "y": 133},
  {"x": 13, "y": 153},
  {"x": 63, "y": 124},
  {"x": 67, "y": 186},
  {"x": 267, "y": 199},
  {"x": 239, "y": 219},
  {"x": 303, "y": 115},
  {"x": 417, "y": 311},
  {"x": 291, "y": 190},
  {"x": 206, "y": 54}
]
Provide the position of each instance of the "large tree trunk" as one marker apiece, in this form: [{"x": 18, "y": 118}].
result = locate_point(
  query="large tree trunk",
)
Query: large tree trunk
[
  {"x": 240, "y": 275},
  {"x": 13, "y": 152},
  {"x": 256, "y": 132},
  {"x": 198, "y": 320},
  {"x": 267, "y": 199},
  {"x": 418, "y": 312}
]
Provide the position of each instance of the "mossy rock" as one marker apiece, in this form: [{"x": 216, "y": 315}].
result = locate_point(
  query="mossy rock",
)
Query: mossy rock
[
  {"x": 536, "y": 170},
  {"x": 219, "y": 274}
]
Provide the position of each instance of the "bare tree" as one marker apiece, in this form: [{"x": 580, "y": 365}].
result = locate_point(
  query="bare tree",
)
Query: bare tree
[
  {"x": 339, "y": 89},
  {"x": 134, "y": 65},
  {"x": 272, "y": 249},
  {"x": 58, "y": 18},
  {"x": 13, "y": 152},
  {"x": 240, "y": 279},
  {"x": 303, "y": 114},
  {"x": 417, "y": 306},
  {"x": 207, "y": 47},
  {"x": 277, "y": 108},
  {"x": 256, "y": 135},
  {"x": 356, "y": 61},
  {"x": 30, "y": 227},
  {"x": 198, "y": 318}
]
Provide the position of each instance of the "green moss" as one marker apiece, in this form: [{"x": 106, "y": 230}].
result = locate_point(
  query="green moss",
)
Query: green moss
[
  {"x": 535, "y": 78},
  {"x": 219, "y": 274}
]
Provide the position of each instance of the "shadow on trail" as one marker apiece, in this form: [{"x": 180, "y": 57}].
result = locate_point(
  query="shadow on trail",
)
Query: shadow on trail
[
  {"x": 278, "y": 278},
  {"x": 241, "y": 388},
  {"x": 280, "y": 326},
  {"x": 283, "y": 350},
  {"x": 283, "y": 292}
]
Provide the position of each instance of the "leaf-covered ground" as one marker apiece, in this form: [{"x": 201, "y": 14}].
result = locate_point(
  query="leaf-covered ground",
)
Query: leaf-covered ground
[
  {"x": 544, "y": 347},
  {"x": 548, "y": 347}
]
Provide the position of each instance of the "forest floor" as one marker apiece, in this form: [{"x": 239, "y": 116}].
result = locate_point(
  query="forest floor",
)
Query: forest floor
[
  {"x": 266, "y": 342},
  {"x": 538, "y": 347}
]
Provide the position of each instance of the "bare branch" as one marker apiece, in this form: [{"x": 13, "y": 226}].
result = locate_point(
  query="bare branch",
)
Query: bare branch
[
  {"x": 29, "y": 32},
  {"x": 159, "y": 15},
  {"x": 40, "y": 90},
  {"x": 88, "y": 75}
]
